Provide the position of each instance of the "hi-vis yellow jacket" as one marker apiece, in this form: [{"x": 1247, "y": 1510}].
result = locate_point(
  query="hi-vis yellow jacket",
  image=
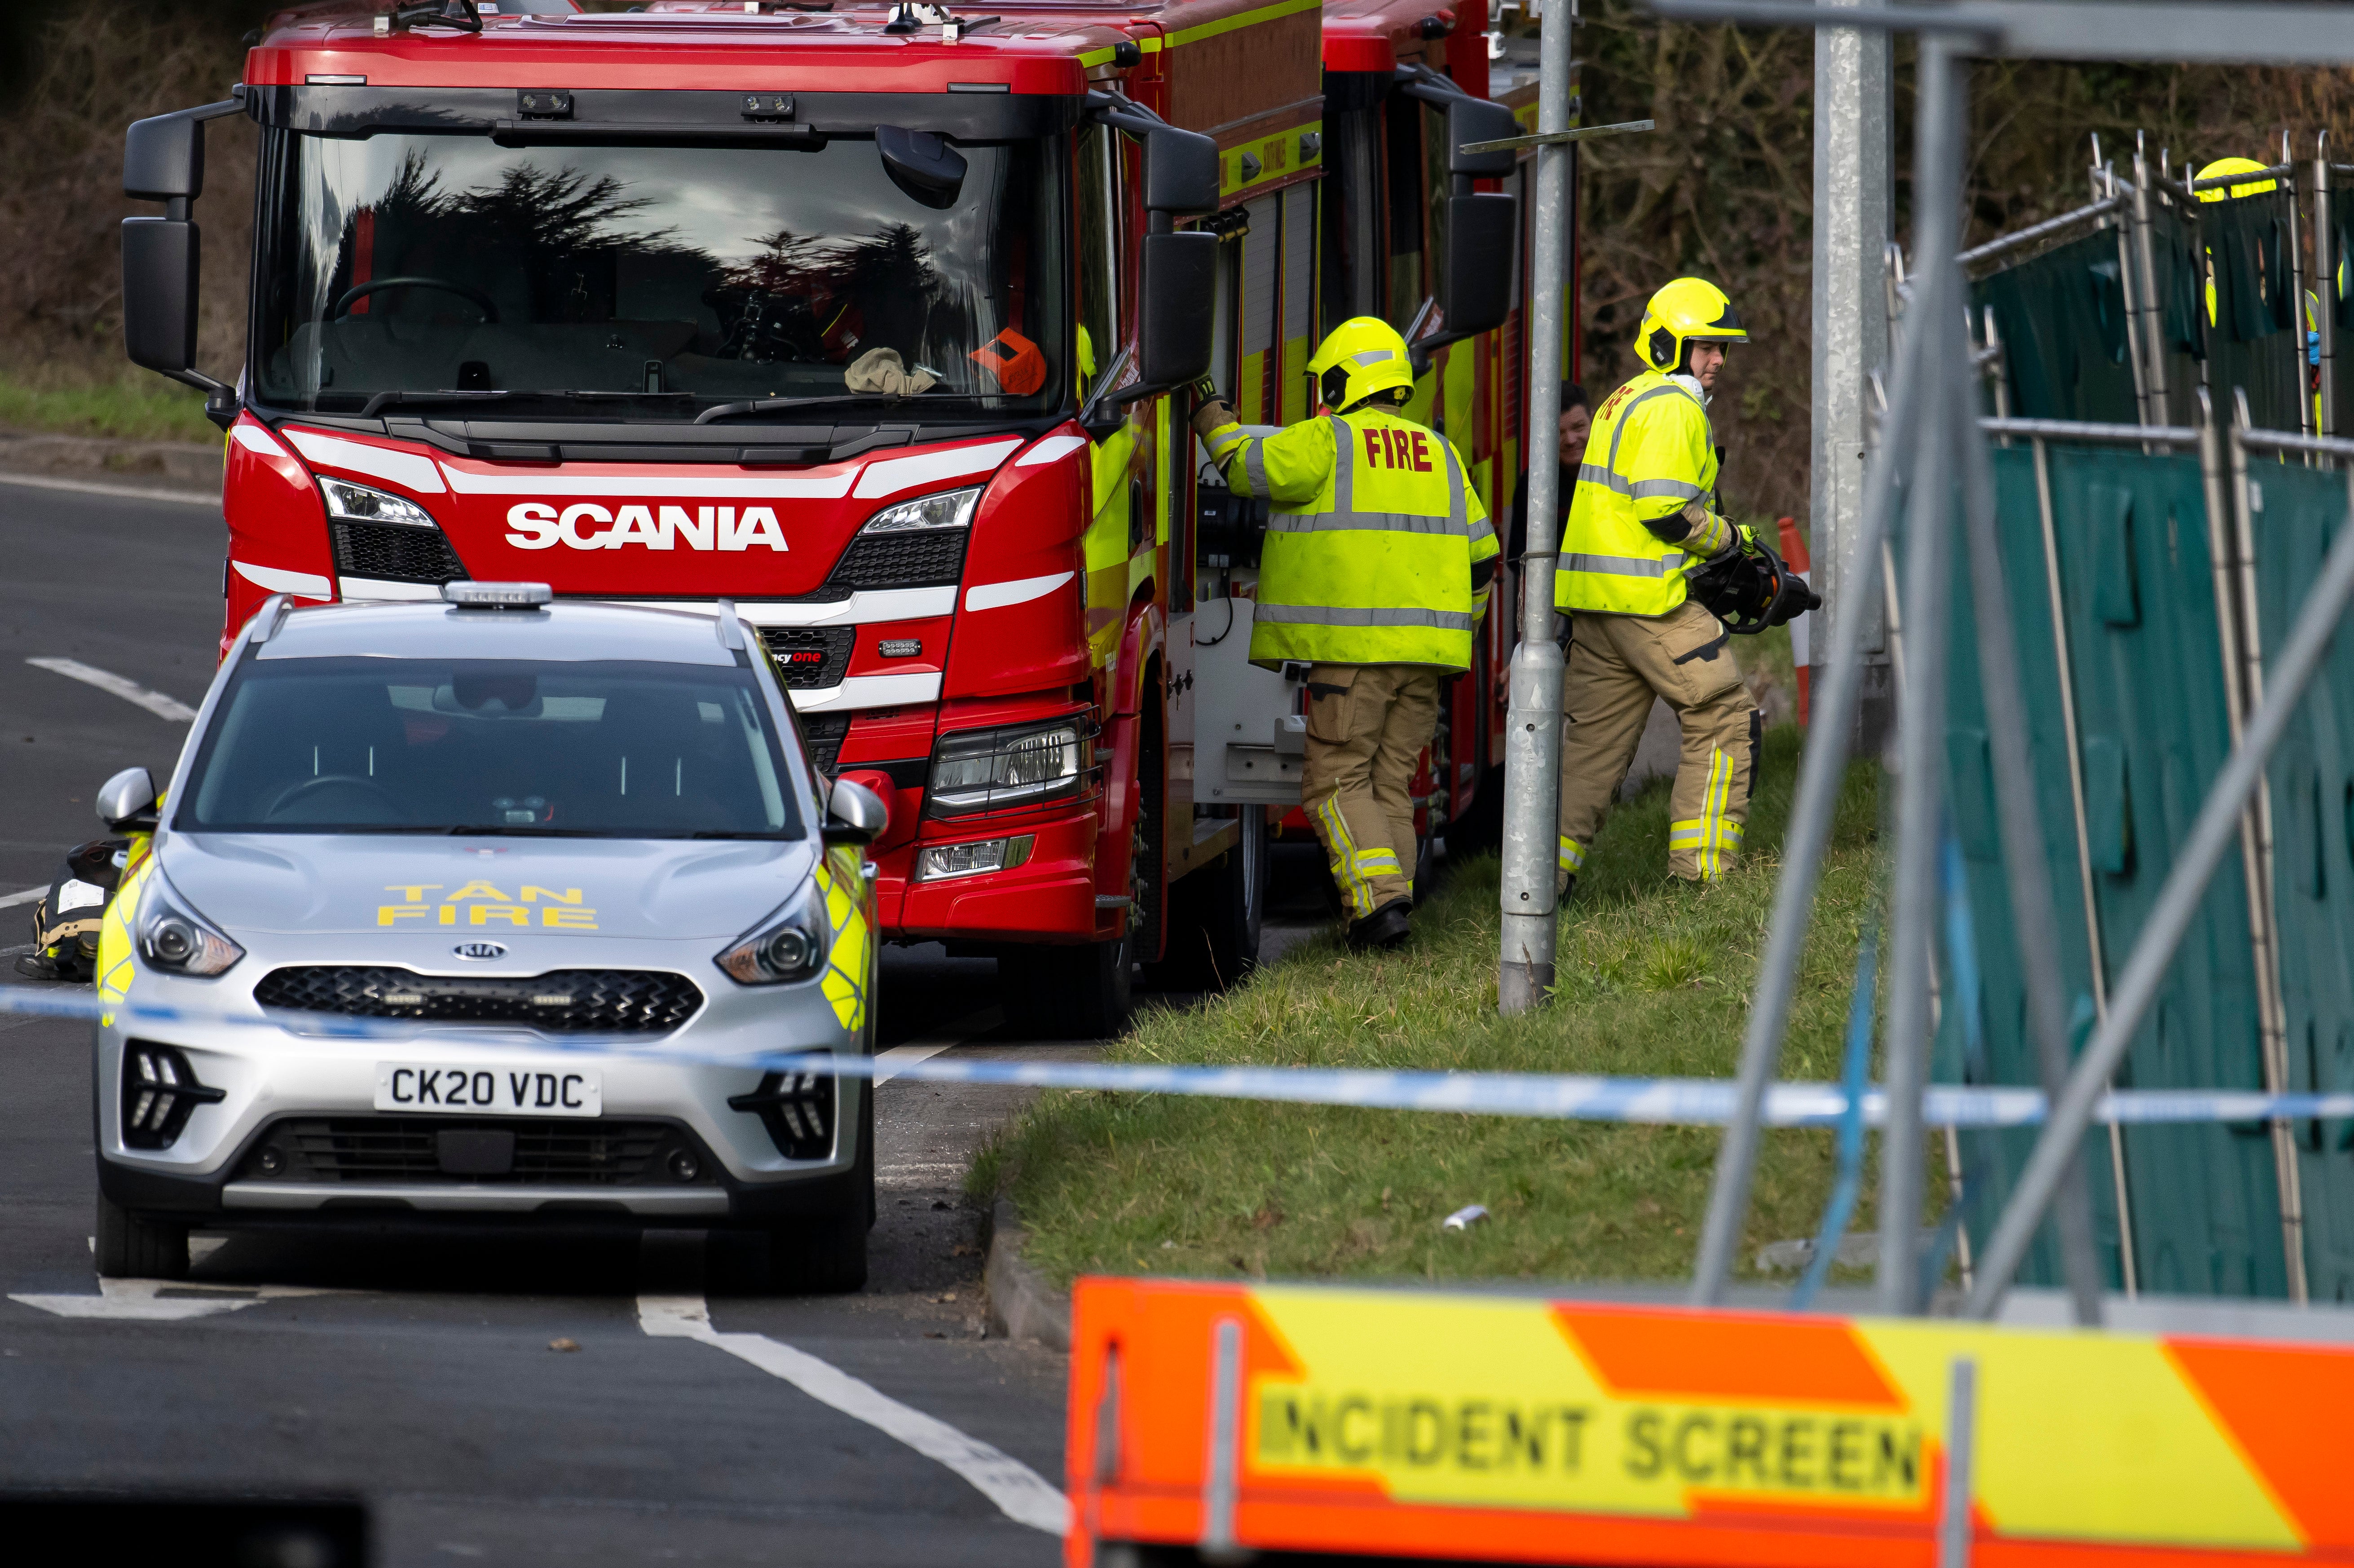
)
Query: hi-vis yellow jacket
[
  {"x": 1378, "y": 550},
  {"x": 1628, "y": 540}
]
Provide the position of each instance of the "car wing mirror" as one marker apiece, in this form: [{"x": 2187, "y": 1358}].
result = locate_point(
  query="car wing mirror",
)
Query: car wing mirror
[
  {"x": 855, "y": 814},
  {"x": 126, "y": 802},
  {"x": 922, "y": 165}
]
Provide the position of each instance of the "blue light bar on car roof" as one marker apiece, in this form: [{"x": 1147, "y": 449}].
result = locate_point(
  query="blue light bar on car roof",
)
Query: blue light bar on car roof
[{"x": 497, "y": 595}]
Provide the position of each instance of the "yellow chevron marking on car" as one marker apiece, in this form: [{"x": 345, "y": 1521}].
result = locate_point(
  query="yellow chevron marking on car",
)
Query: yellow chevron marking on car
[
  {"x": 116, "y": 969},
  {"x": 843, "y": 884}
]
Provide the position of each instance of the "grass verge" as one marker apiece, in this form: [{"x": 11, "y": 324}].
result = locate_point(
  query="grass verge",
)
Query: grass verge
[
  {"x": 145, "y": 409},
  {"x": 1653, "y": 982}
]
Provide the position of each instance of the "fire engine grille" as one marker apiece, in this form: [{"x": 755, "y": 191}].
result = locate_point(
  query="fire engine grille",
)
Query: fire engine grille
[
  {"x": 925, "y": 558},
  {"x": 824, "y": 733},
  {"x": 811, "y": 656},
  {"x": 397, "y": 554},
  {"x": 562, "y": 1001},
  {"x": 412, "y": 1150}
]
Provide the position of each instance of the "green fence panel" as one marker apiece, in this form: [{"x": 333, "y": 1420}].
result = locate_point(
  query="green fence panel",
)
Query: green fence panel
[
  {"x": 2062, "y": 315},
  {"x": 2256, "y": 339},
  {"x": 2295, "y": 512},
  {"x": 2174, "y": 257},
  {"x": 2337, "y": 295},
  {"x": 1992, "y": 1160},
  {"x": 2145, "y": 660}
]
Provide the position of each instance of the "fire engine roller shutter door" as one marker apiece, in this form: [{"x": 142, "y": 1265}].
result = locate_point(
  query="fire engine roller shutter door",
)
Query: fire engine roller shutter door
[
  {"x": 2061, "y": 316},
  {"x": 2295, "y": 512},
  {"x": 1298, "y": 326},
  {"x": 2144, "y": 658},
  {"x": 1262, "y": 244}
]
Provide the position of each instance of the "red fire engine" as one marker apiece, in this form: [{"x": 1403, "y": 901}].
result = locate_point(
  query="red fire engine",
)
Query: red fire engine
[{"x": 878, "y": 320}]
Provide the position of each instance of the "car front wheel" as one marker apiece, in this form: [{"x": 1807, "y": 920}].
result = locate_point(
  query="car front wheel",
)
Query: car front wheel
[{"x": 138, "y": 1246}]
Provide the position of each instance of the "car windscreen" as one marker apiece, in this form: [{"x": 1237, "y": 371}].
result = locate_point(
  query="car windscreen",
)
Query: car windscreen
[
  {"x": 616, "y": 749},
  {"x": 658, "y": 280}
]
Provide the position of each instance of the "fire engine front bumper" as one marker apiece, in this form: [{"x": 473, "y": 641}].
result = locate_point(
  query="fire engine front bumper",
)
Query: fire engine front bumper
[{"x": 1049, "y": 897}]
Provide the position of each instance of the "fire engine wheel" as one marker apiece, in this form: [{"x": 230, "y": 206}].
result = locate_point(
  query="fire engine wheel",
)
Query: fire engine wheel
[
  {"x": 1079, "y": 992},
  {"x": 1215, "y": 917}
]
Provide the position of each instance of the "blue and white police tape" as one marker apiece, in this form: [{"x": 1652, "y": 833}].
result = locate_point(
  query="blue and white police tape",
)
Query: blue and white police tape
[{"x": 1678, "y": 1102}]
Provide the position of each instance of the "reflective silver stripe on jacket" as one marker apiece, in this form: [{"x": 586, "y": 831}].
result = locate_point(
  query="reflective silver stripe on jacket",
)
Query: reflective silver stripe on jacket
[
  {"x": 1254, "y": 469},
  {"x": 1321, "y": 615},
  {"x": 1681, "y": 487},
  {"x": 1344, "y": 464},
  {"x": 1372, "y": 522},
  {"x": 1620, "y": 565}
]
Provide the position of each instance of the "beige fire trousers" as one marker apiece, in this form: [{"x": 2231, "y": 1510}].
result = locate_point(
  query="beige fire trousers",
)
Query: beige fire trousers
[
  {"x": 1616, "y": 664},
  {"x": 1367, "y": 725}
]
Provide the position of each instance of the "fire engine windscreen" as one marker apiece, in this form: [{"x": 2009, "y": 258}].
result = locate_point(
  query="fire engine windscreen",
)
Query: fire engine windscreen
[
  {"x": 591, "y": 748},
  {"x": 681, "y": 276}
]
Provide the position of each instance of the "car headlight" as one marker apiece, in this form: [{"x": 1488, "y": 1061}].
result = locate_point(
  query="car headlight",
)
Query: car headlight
[
  {"x": 950, "y": 509},
  {"x": 784, "y": 947},
  {"x": 358, "y": 503},
  {"x": 177, "y": 941},
  {"x": 998, "y": 769}
]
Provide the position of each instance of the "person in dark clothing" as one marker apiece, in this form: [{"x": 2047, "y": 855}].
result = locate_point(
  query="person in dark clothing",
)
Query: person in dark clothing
[{"x": 1576, "y": 419}]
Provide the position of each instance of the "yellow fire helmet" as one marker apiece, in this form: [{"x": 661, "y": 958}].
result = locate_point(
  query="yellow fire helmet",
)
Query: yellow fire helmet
[
  {"x": 1363, "y": 355},
  {"x": 1686, "y": 310},
  {"x": 2235, "y": 167}
]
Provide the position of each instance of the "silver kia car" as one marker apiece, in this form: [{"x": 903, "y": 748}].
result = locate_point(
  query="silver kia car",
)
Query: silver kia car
[{"x": 483, "y": 912}]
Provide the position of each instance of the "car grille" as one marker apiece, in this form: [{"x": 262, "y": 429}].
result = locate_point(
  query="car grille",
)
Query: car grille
[
  {"x": 925, "y": 558},
  {"x": 562, "y": 1001},
  {"x": 409, "y": 1150},
  {"x": 393, "y": 553},
  {"x": 811, "y": 656},
  {"x": 824, "y": 733}
]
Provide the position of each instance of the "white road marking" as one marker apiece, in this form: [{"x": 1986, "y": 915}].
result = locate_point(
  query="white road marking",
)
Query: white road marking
[
  {"x": 130, "y": 691},
  {"x": 925, "y": 1047},
  {"x": 1021, "y": 1493},
  {"x": 10, "y": 900},
  {"x": 120, "y": 492},
  {"x": 144, "y": 1299}
]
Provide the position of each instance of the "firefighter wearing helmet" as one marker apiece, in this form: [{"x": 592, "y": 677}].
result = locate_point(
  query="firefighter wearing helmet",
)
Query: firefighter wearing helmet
[
  {"x": 1654, "y": 579},
  {"x": 1374, "y": 571}
]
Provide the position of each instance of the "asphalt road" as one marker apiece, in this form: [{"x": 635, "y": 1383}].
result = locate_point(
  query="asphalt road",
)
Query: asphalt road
[{"x": 418, "y": 1376}]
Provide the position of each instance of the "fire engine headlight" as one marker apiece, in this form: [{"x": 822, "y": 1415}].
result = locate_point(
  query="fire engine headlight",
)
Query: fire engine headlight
[
  {"x": 997, "y": 769},
  {"x": 950, "y": 509},
  {"x": 784, "y": 947},
  {"x": 358, "y": 503},
  {"x": 177, "y": 941}
]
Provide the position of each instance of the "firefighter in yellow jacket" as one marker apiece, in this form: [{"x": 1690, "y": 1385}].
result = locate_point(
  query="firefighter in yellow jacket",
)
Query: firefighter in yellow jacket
[
  {"x": 1374, "y": 571},
  {"x": 1642, "y": 520}
]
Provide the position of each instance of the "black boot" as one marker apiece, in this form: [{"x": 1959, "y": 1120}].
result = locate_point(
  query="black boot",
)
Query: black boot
[{"x": 1384, "y": 928}]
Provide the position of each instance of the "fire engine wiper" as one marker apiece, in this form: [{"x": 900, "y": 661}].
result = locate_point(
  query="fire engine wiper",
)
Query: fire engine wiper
[
  {"x": 778, "y": 405},
  {"x": 383, "y": 401}
]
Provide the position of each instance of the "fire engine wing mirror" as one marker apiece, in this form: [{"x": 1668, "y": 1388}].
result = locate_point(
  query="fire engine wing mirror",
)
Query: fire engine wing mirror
[
  {"x": 922, "y": 165},
  {"x": 163, "y": 160},
  {"x": 1477, "y": 293},
  {"x": 126, "y": 802},
  {"x": 1179, "y": 287},
  {"x": 855, "y": 814},
  {"x": 1471, "y": 120},
  {"x": 1181, "y": 172}
]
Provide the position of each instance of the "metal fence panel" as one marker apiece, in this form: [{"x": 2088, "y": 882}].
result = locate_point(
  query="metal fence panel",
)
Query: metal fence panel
[
  {"x": 2061, "y": 317},
  {"x": 2144, "y": 663},
  {"x": 2006, "y": 1055},
  {"x": 2254, "y": 331},
  {"x": 2295, "y": 512}
]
